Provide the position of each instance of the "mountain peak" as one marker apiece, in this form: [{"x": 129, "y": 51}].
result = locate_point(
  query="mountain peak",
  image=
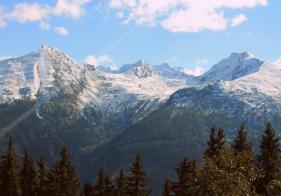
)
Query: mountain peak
[
  {"x": 141, "y": 62},
  {"x": 235, "y": 66},
  {"x": 277, "y": 62}
]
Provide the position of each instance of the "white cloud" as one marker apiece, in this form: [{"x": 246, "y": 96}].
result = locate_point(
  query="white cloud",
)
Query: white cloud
[
  {"x": 72, "y": 8},
  {"x": 183, "y": 15},
  {"x": 44, "y": 25},
  {"x": 3, "y": 22},
  {"x": 172, "y": 60},
  {"x": 241, "y": 18},
  {"x": 202, "y": 62},
  {"x": 197, "y": 71},
  {"x": 4, "y": 57},
  {"x": 61, "y": 31},
  {"x": 98, "y": 61},
  {"x": 25, "y": 12}
]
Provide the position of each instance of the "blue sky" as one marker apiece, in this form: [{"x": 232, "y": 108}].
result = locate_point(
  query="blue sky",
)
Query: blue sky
[{"x": 188, "y": 33}]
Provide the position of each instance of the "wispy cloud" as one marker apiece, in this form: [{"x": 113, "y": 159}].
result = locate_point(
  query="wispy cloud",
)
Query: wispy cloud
[
  {"x": 61, "y": 31},
  {"x": 44, "y": 25},
  {"x": 241, "y": 18},
  {"x": 24, "y": 12},
  {"x": 202, "y": 62},
  {"x": 71, "y": 8},
  {"x": 184, "y": 15},
  {"x": 99, "y": 61},
  {"x": 197, "y": 71},
  {"x": 4, "y": 57}
]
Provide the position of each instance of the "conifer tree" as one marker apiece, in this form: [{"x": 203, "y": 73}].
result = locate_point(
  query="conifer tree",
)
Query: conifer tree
[
  {"x": 88, "y": 189},
  {"x": 121, "y": 184},
  {"x": 167, "y": 188},
  {"x": 103, "y": 186},
  {"x": 212, "y": 143},
  {"x": 62, "y": 177},
  {"x": 241, "y": 142},
  {"x": 186, "y": 183},
  {"x": 269, "y": 160},
  {"x": 28, "y": 175},
  {"x": 42, "y": 177},
  {"x": 9, "y": 173},
  {"x": 137, "y": 180},
  {"x": 220, "y": 139}
]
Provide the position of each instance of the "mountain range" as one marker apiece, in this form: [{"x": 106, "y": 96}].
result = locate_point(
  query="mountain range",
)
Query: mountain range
[{"x": 106, "y": 116}]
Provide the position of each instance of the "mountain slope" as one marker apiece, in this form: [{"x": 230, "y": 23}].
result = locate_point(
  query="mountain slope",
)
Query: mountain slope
[{"x": 180, "y": 127}]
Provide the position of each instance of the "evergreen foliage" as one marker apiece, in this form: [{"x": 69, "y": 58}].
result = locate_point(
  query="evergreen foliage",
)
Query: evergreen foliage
[
  {"x": 62, "y": 177},
  {"x": 9, "y": 174},
  {"x": 103, "y": 186},
  {"x": 121, "y": 185},
  {"x": 137, "y": 181},
  {"x": 269, "y": 159},
  {"x": 28, "y": 175},
  {"x": 42, "y": 188}
]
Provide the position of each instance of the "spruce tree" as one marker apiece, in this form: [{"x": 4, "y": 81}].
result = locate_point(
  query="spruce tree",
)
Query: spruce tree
[
  {"x": 220, "y": 139},
  {"x": 121, "y": 184},
  {"x": 137, "y": 180},
  {"x": 186, "y": 183},
  {"x": 269, "y": 159},
  {"x": 88, "y": 189},
  {"x": 241, "y": 142},
  {"x": 103, "y": 186},
  {"x": 28, "y": 175},
  {"x": 42, "y": 177},
  {"x": 9, "y": 173},
  {"x": 212, "y": 143},
  {"x": 62, "y": 177},
  {"x": 167, "y": 188}
]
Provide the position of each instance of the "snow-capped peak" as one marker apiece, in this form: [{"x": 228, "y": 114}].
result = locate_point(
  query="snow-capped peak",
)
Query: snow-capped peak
[
  {"x": 233, "y": 67},
  {"x": 277, "y": 62}
]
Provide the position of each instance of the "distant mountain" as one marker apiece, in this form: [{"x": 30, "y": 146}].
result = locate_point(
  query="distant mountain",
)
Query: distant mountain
[
  {"x": 180, "y": 127},
  {"x": 48, "y": 100},
  {"x": 233, "y": 67}
]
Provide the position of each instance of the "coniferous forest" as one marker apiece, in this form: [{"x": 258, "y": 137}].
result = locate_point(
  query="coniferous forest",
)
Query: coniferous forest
[{"x": 227, "y": 168}]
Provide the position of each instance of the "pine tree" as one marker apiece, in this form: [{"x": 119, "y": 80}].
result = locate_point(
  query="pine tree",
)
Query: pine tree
[
  {"x": 9, "y": 174},
  {"x": 167, "y": 188},
  {"x": 269, "y": 160},
  {"x": 28, "y": 176},
  {"x": 88, "y": 189},
  {"x": 121, "y": 184},
  {"x": 62, "y": 177},
  {"x": 42, "y": 177},
  {"x": 103, "y": 186},
  {"x": 186, "y": 183},
  {"x": 137, "y": 180},
  {"x": 241, "y": 142}
]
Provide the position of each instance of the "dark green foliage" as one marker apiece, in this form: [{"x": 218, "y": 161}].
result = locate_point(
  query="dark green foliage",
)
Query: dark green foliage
[
  {"x": 9, "y": 174},
  {"x": 28, "y": 175},
  {"x": 88, "y": 189},
  {"x": 241, "y": 142},
  {"x": 62, "y": 177},
  {"x": 103, "y": 186},
  {"x": 167, "y": 188},
  {"x": 121, "y": 185},
  {"x": 269, "y": 159},
  {"x": 42, "y": 177},
  {"x": 137, "y": 181},
  {"x": 216, "y": 142},
  {"x": 212, "y": 143},
  {"x": 187, "y": 179}
]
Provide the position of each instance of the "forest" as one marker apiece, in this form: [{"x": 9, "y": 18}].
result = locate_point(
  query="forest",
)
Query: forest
[{"x": 227, "y": 168}]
